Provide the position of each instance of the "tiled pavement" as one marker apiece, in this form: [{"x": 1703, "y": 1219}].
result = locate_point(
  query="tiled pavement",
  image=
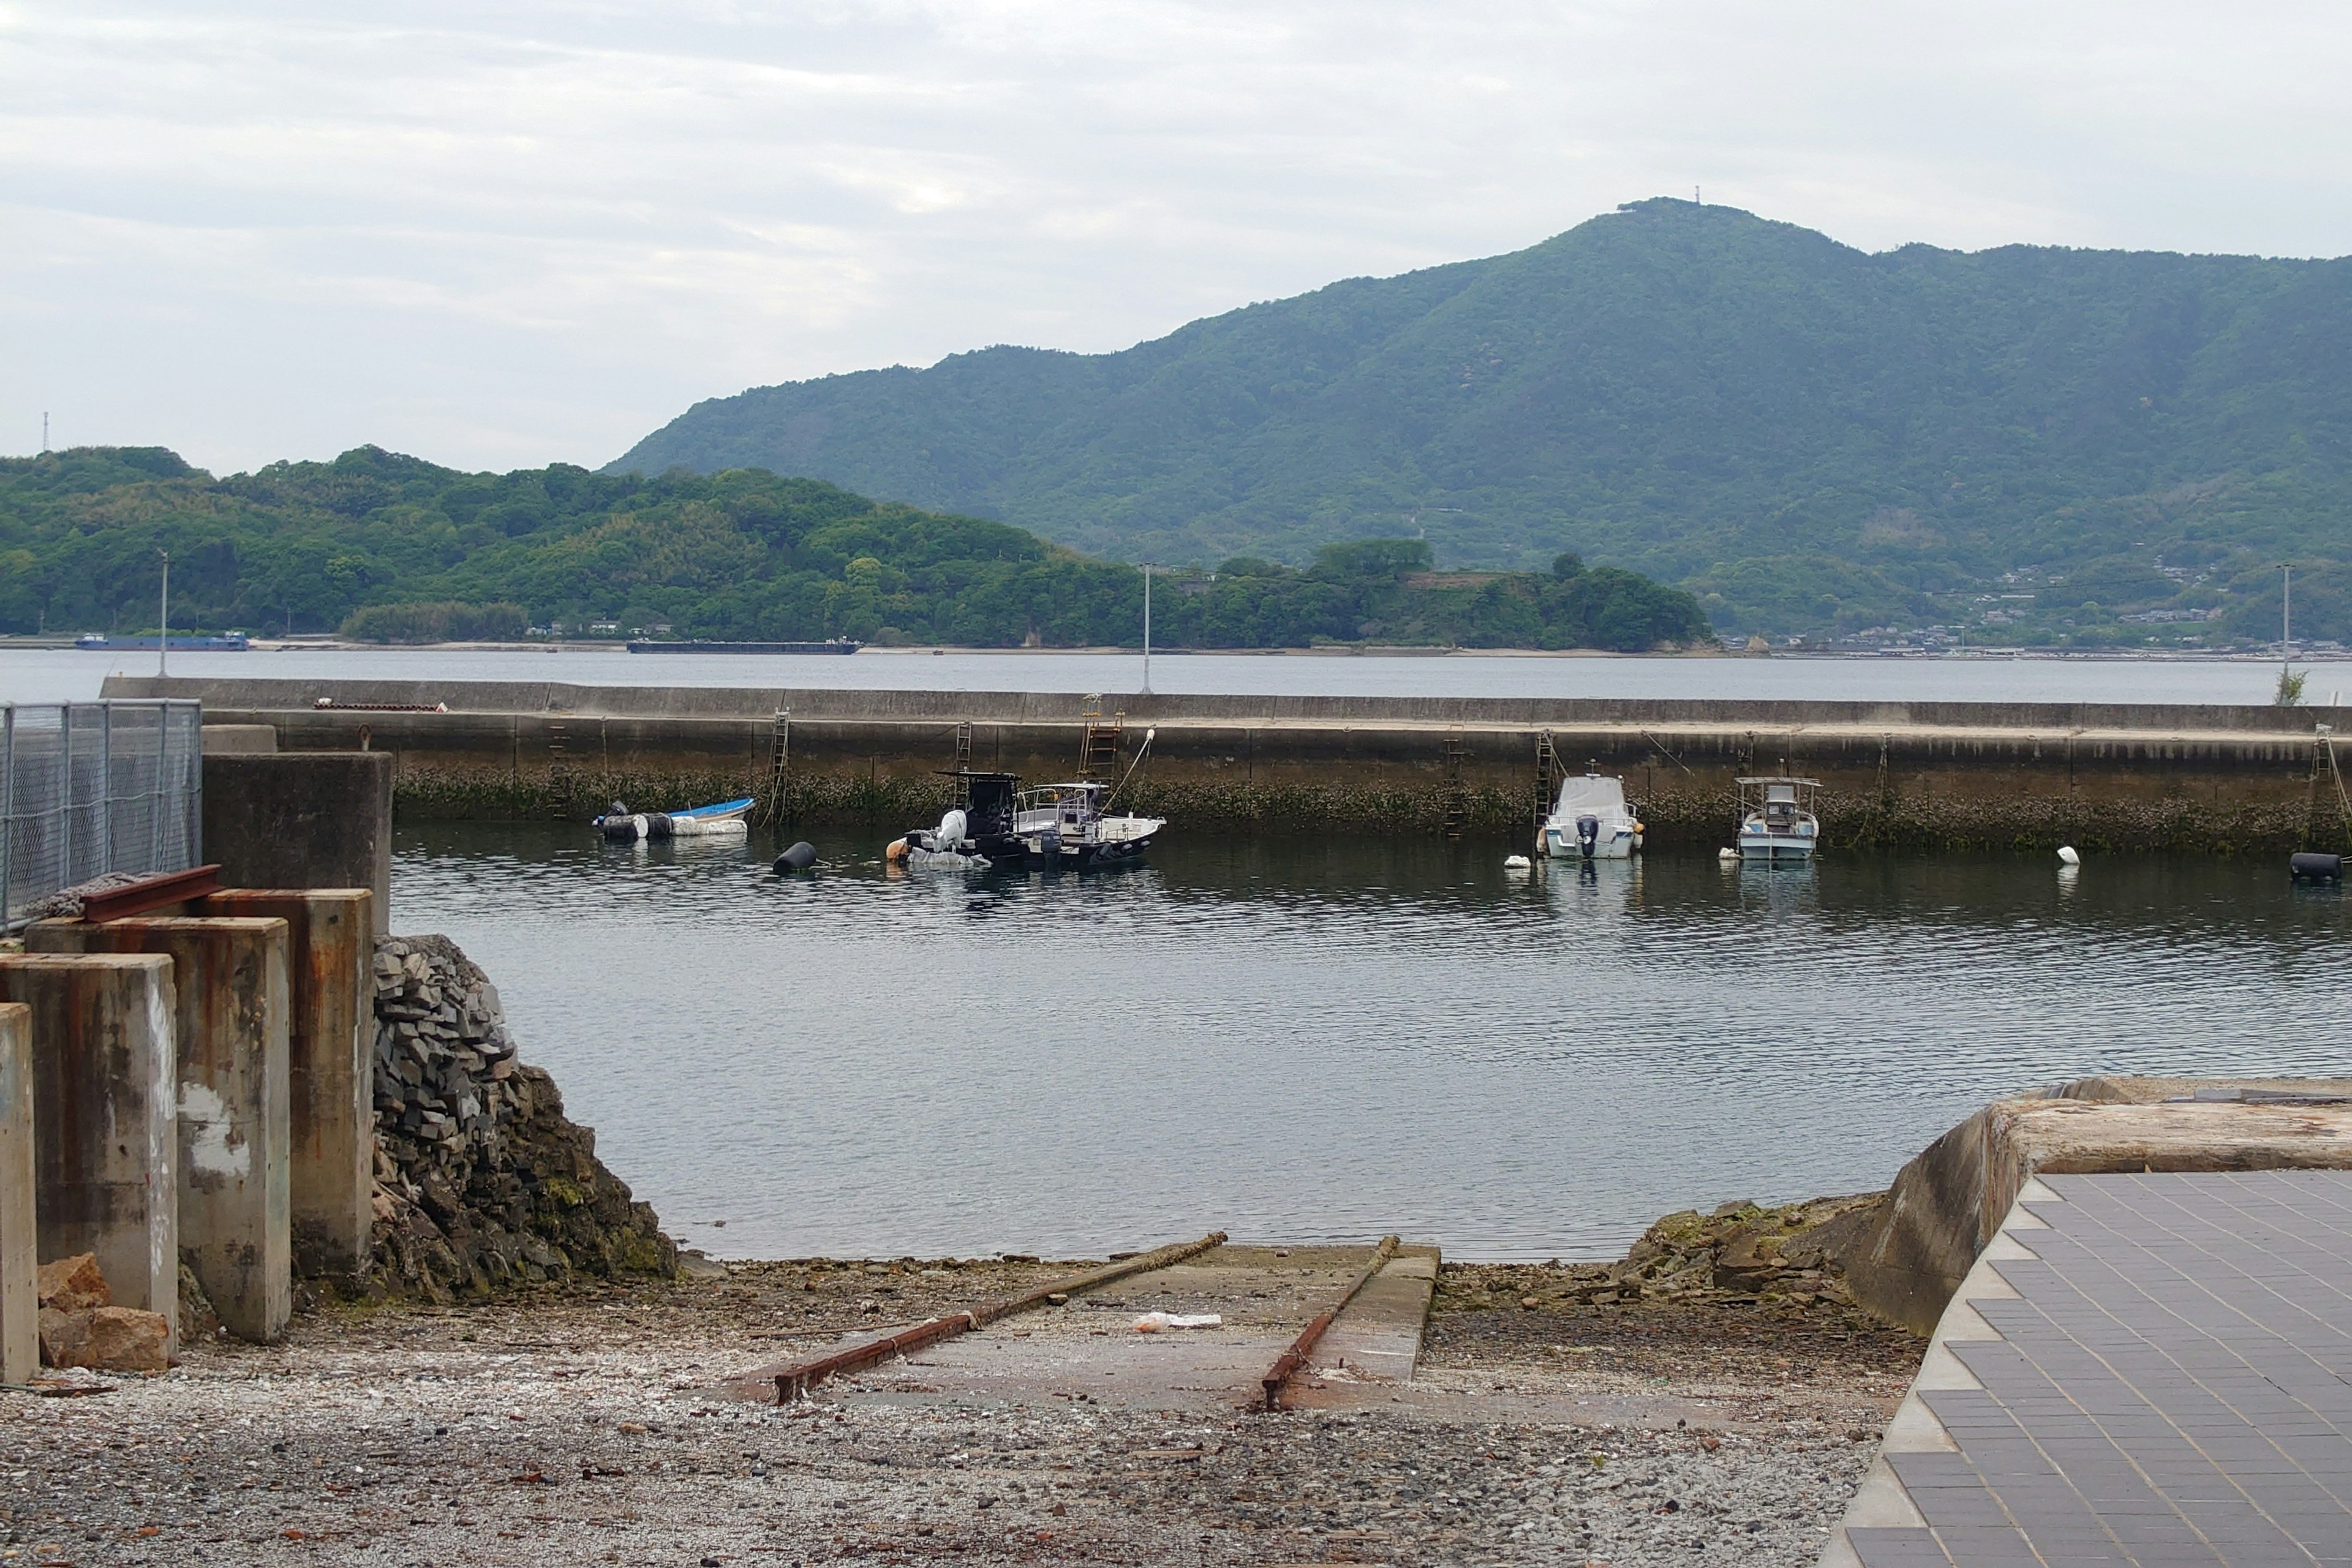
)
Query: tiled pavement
[{"x": 2171, "y": 1386}]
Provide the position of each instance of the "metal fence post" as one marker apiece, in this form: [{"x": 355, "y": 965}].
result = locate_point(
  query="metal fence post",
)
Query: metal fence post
[
  {"x": 106, "y": 785},
  {"x": 64, "y": 796},
  {"x": 8, "y": 804}
]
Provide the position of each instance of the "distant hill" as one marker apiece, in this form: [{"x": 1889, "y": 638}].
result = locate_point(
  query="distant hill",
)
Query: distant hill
[
  {"x": 392, "y": 549},
  {"x": 1810, "y": 436}
]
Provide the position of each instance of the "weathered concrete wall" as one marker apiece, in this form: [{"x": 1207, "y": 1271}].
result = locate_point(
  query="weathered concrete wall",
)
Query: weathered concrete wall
[
  {"x": 105, "y": 1126},
  {"x": 239, "y": 740},
  {"x": 303, "y": 821},
  {"x": 20, "y": 1255},
  {"x": 234, "y": 1225},
  {"x": 1947, "y": 1204},
  {"x": 331, "y": 1172},
  {"x": 2102, "y": 777}
]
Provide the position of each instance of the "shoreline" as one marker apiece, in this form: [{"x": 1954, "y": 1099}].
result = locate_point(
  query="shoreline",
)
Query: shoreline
[{"x": 585, "y": 1423}]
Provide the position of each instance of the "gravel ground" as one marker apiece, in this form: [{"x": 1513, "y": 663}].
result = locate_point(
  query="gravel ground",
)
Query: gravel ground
[{"x": 585, "y": 1425}]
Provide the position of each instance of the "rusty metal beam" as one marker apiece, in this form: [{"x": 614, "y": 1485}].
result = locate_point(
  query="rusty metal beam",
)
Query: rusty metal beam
[
  {"x": 150, "y": 893},
  {"x": 1291, "y": 1360},
  {"x": 794, "y": 1380}
]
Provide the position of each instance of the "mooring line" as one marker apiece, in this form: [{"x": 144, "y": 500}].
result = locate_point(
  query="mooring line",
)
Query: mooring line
[
  {"x": 1291, "y": 1360},
  {"x": 794, "y": 1379}
]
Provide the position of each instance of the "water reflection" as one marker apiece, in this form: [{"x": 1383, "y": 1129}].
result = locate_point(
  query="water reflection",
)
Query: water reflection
[{"x": 1323, "y": 1037}]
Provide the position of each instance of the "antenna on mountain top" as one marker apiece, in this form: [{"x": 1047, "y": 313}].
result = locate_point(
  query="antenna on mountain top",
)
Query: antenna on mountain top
[
  {"x": 1695, "y": 200},
  {"x": 44, "y": 430}
]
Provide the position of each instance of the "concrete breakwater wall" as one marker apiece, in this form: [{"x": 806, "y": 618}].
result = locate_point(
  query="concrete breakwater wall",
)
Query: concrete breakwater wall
[{"x": 2107, "y": 776}]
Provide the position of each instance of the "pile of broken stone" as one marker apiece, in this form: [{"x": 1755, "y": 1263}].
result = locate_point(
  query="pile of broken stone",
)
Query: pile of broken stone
[{"x": 481, "y": 1182}]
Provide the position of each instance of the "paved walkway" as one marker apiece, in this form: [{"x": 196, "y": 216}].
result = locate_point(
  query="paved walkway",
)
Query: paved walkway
[{"x": 2147, "y": 1370}]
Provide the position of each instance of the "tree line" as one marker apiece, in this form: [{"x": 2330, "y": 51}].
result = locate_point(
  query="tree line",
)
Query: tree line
[{"x": 390, "y": 548}]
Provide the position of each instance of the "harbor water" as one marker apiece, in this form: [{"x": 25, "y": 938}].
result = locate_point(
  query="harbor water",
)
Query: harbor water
[{"x": 1317, "y": 1037}]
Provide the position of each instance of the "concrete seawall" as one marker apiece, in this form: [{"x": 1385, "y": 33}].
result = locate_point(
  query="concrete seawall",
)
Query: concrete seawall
[{"x": 2111, "y": 776}]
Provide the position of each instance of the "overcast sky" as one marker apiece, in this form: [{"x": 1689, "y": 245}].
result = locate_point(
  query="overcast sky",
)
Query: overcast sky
[{"x": 500, "y": 235}]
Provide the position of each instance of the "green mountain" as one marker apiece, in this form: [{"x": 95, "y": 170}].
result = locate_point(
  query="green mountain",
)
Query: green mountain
[
  {"x": 392, "y": 549},
  {"x": 1810, "y": 436}
]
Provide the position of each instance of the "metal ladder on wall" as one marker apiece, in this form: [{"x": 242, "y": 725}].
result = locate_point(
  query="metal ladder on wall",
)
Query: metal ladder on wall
[
  {"x": 561, "y": 783},
  {"x": 1098, "y": 750},
  {"x": 771, "y": 810},
  {"x": 2323, "y": 756},
  {"x": 1458, "y": 798},
  {"x": 1550, "y": 771}
]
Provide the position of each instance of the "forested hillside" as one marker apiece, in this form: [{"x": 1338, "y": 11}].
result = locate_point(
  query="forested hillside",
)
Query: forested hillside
[
  {"x": 391, "y": 548},
  {"x": 2028, "y": 441}
]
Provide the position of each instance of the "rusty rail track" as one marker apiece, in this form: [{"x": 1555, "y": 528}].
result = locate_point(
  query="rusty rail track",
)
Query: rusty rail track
[
  {"x": 1288, "y": 1363},
  {"x": 794, "y": 1380}
]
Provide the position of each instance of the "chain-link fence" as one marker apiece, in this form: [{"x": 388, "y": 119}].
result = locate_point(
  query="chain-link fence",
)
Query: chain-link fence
[{"x": 87, "y": 788}]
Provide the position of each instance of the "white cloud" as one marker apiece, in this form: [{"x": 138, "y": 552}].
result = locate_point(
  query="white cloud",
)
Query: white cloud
[{"x": 501, "y": 234}]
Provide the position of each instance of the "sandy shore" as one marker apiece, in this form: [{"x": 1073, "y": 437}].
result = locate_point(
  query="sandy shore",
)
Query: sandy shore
[{"x": 589, "y": 1424}]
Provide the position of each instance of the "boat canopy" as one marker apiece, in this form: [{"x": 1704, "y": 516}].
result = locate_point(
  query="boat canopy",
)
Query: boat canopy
[{"x": 1590, "y": 793}]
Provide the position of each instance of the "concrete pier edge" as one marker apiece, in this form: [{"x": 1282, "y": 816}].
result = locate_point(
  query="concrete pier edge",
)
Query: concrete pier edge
[{"x": 1917, "y": 774}]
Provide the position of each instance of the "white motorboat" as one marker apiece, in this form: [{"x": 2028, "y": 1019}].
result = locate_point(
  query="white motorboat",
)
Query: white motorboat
[
  {"x": 1591, "y": 821},
  {"x": 1776, "y": 819},
  {"x": 1062, "y": 826}
]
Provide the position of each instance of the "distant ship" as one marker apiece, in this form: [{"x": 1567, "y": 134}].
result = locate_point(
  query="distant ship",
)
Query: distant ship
[
  {"x": 181, "y": 642},
  {"x": 834, "y": 645}
]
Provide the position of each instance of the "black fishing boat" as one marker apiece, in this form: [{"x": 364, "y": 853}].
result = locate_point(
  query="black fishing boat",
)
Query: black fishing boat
[{"x": 1051, "y": 826}]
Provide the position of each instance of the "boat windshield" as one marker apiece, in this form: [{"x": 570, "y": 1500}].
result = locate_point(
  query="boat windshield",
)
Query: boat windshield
[{"x": 1064, "y": 804}]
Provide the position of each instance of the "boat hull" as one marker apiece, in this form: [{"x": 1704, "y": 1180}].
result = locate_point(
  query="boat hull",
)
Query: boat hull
[
  {"x": 1775, "y": 847},
  {"x": 1615, "y": 841}
]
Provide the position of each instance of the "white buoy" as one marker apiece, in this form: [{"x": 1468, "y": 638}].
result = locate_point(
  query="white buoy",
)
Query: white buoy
[
  {"x": 1727, "y": 854},
  {"x": 1517, "y": 863},
  {"x": 2066, "y": 856}
]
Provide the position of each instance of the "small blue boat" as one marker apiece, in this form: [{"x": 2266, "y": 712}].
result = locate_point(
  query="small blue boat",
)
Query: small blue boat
[{"x": 723, "y": 819}]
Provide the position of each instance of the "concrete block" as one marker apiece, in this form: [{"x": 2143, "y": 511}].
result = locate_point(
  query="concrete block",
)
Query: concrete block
[
  {"x": 303, "y": 819},
  {"x": 20, "y": 1257},
  {"x": 1947, "y": 1203},
  {"x": 235, "y": 1226},
  {"x": 330, "y": 1057},
  {"x": 105, "y": 1122}
]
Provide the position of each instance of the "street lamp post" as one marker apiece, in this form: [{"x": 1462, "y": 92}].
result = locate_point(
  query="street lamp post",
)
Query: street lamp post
[
  {"x": 1147, "y": 630},
  {"x": 164, "y": 614}
]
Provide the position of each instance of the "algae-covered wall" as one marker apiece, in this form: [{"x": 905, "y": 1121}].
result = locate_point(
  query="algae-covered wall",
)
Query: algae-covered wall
[{"x": 2111, "y": 777}]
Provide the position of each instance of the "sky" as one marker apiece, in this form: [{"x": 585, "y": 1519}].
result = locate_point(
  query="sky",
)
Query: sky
[{"x": 502, "y": 235}]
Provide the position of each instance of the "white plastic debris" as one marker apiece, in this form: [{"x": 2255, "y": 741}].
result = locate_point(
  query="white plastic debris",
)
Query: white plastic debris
[
  {"x": 1156, "y": 1322},
  {"x": 2066, "y": 856},
  {"x": 1517, "y": 863}
]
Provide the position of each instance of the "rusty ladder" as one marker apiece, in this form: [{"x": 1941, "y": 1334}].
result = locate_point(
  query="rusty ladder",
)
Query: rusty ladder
[
  {"x": 1098, "y": 750},
  {"x": 771, "y": 808},
  {"x": 1458, "y": 799},
  {"x": 1550, "y": 771}
]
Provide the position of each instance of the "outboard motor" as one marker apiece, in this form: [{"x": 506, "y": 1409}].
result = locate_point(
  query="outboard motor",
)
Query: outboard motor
[
  {"x": 1588, "y": 835},
  {"x": 950, "y": 836}
]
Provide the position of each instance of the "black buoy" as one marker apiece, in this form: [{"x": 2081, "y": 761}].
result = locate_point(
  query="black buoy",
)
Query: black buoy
[
  {"x": 2310, "y": 865},
  {"x": 798, "y": 858}
]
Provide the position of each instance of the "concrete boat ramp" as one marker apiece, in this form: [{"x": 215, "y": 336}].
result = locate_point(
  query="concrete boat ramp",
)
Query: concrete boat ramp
[
  {"x": 1087, "y": 1349},
  {"x": 1086, "y": 1340}
]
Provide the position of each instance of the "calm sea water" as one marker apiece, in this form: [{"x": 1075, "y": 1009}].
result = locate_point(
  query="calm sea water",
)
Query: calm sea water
[
  {"x": 1328, "y": 1039},
  {"x": 61, "y": 675}
]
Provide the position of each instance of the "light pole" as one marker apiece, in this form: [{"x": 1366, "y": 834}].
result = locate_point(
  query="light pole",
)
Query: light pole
[
  {"x": 2286, "y": 620},
  {"x": 1147, "y": 630},
  {"x": 163, "y": 631}
]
